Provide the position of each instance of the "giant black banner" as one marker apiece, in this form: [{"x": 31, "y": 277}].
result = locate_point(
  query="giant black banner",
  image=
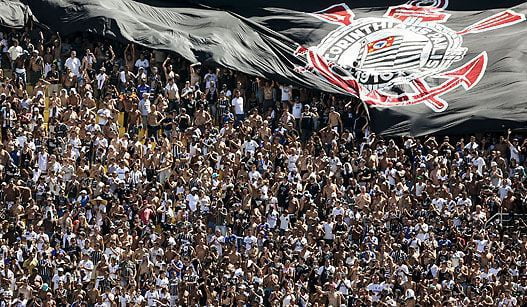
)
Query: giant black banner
[{"x": 423, "y": 66}]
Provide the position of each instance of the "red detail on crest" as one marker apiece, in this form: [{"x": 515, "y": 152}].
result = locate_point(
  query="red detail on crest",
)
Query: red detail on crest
[
  {"x": 470, "y": 73},
  {"x": 378, "y": 44},
  {"x": 435, "y": 103},
  {"x": 300, "y": 50},
  {"x": 467, "y": 76},
  {"x": 338, "y": 14},
  {"x": 422, "y": 13},
  {"x": 321, "y": 66},
  {"x": 500, "y": 20}
]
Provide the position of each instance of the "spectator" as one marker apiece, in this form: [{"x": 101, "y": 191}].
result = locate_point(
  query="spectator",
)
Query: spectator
[{"x": 73, "y": 64}]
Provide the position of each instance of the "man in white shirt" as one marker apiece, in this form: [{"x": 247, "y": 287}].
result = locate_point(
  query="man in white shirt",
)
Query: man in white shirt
[
  {"x": 249, "y": 147},
  {"x": 142, "y": 62},
  {"x": 14, "y": 52},
  {"x": 58, "y": 277},
  {"x": 86, "y": 265},
  {"x": 144, "y": 108},
  {"x": 464, "y": 201},
  {"x": 284, "y": 222},
  {"x": 328, "y": 231},
  {"x": 193, "y": 199},
  {"x": 376, "y": 288},
  {"x": 101, "y": 83},
  {"x": 43, "y": 159},
  {"x": 472, "y": 145},
  {"x": 297, "y": 111},
  {"x": 272, "y": 218},
  {"x": 74, "y": 64},
  {"x": 479, "y": 162},
  {"x": 438, "y": 203},
  {"x": 152, "y": 296},
  {"x": 237, "y": 105},
  {"x": 104, "y": 115},
  {"x": 171, "y": 91},
  {"x": 504, "y": 189},
  {"x": 209, "y": 78},
  {"x": 514, "y": 149},
  {"x": 217, "y": 240},
  {"x": 286, "y": 90},
  {"x": 122, "y": 170}
]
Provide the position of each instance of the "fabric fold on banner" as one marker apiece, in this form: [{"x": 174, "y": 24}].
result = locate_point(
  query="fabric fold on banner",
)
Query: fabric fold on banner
[{"x": 422, "y": 66}]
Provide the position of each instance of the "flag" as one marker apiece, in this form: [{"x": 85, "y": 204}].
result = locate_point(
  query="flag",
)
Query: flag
[
  {"x": 421, "y": 66},
  {"x": 381, "y": 44}
]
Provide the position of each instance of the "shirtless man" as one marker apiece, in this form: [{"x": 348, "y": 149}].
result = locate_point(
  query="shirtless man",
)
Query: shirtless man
[
  {"x": 88, "y": 60},
  {"x": 264, "y": 131},
  {"x": 286, "y": 117},
  {"x": 4, "y": 155},
  {"x": 201, "y": 250},
  {"x": 89, "y": 103},
  {"x": 330, "y": 188},
  {"x": 334, "y": 119},
  {"x": 363, "y": 200},
  {"x": 255, "y": 119},
  {"x": 11, "y": 193},
  {"x": 153, "y": 119},
  {"x": 202, "y": 117},
  {"x": 36, "y": 66}
]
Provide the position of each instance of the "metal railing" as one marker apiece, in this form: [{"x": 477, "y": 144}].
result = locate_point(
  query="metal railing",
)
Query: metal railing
[{"x": 505, "y": 220}]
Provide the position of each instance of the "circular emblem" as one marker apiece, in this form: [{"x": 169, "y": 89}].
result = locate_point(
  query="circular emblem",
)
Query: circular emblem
[
  {"x": 442, "y": 4},
  {"x": 382, "y": 52}
]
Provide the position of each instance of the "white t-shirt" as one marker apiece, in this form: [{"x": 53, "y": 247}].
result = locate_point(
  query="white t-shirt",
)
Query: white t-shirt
[
  {"x": 297, "y": 110},
  {"x": 286, "y": 92},
  {"x": 328, "y": 231},
  {"x": 419, "y": 188},
  {"x": 480, "y": 245},
  {"x": 472, "y": 146},
  {"x": 15, "y": 52},
  {"x": 337, "y": 211},
  {"x": 250, "y": 146},
  {"x": 142, "y": 63},
  {"x": 192, "y": 202},
  {"x": 101, "y": 80},
  {"x": 284, "y": 222},
  {"x": 43, "y": 161},
  {"x": 124, "y": 299},
  {"x": 171, "y": 88},
  {"x": 144, "y": 107},
  {"x": 121, "y": 172},
  {"x": 217, "y": 242},
  {"x": 391, "y": 174},
  {"x": 466, "y": 202},
  {"x": 479, "y": 163},
  {"x": 439, "y": 203},
  {"x": 376, "y": 289},
  {"x": 515, "y": 154},
  {"x": 74, "y": 65},
  {"x": 237, "y": 103},
  {"x": 151, "y": 297},
  {"x": 291, "y": 162},
  {"x": 103, "y": 114},
  {"x": 254, "y": 176},
  {"x": 249, "y": 241},
  {"x": 272, "y": 218},
  {"x": 503, "y": 191}
]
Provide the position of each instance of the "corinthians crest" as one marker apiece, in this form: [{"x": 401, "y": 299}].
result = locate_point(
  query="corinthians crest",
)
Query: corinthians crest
[{"x": 402, "y": 58}]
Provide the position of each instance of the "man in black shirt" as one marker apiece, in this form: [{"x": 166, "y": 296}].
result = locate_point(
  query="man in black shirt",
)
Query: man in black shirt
[{"x": 307, "y": 123}]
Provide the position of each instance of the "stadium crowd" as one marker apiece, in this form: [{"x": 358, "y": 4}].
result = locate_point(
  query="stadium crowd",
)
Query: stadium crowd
[{"x": 133, "y": 178}]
